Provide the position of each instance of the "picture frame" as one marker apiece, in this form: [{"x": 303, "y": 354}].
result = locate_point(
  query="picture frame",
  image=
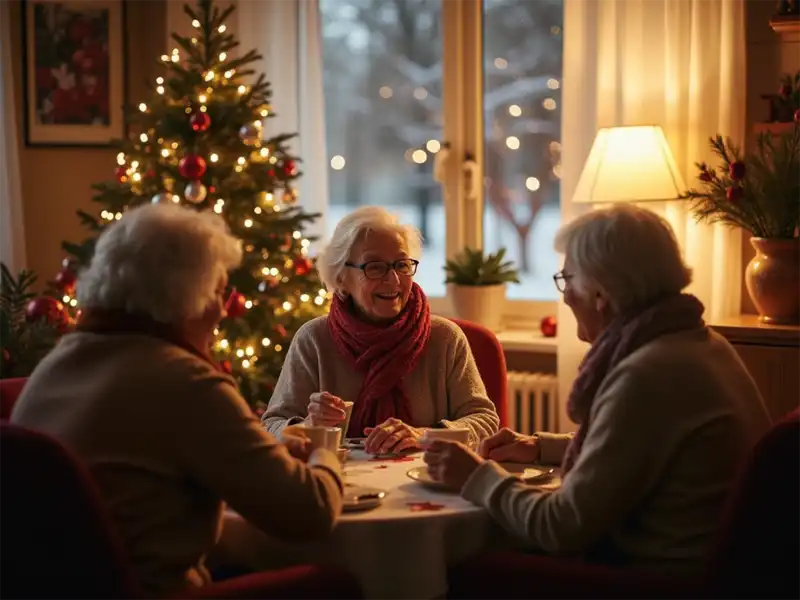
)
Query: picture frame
[{"x": 74, "y": 72}]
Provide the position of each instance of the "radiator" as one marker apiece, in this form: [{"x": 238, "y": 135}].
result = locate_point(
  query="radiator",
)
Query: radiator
[{"x": 532, "y": 402}]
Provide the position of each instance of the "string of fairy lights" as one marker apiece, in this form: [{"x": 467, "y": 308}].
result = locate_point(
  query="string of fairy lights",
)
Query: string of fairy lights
[{"x": 135, "y": 174}]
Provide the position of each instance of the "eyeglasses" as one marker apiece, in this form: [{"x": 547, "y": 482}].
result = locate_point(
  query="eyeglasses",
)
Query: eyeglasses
[
  {"x": 561, "y": 279},
  {"x": 377, "y": 269}
]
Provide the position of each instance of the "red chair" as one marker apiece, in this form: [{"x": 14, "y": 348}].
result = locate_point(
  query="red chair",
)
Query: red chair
[
  {"x": 757, "y": 554},
  {"x": 58, "y": 540},
  {"x": 10, "y": 389},
  {"x": 491, "y": 362}
]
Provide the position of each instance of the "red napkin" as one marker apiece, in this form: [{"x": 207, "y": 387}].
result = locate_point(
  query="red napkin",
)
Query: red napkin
[{"x": 421, "y": 506}]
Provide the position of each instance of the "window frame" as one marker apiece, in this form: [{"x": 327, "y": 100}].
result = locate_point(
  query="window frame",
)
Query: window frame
[{"x": 463, "y": 118}]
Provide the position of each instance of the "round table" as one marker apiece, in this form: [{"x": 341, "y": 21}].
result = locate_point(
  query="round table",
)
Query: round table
[{"x": 398, "y": 550}]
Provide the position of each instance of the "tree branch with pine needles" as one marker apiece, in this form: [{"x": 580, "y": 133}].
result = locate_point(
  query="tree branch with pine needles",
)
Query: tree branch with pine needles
[{"x": 758, "y": 192}]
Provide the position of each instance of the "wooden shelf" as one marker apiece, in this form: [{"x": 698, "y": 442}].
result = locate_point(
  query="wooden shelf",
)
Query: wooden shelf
[
  {"x": 788, "y": 25},
  {"x": 773, "y": 128},
  {"x": 747, "y": 329}
]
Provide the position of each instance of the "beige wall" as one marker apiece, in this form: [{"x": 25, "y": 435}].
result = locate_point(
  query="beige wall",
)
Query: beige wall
[{"x": 57, "y": 181}]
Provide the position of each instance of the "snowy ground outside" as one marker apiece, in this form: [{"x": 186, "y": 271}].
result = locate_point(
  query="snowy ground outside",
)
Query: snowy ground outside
[{"x": 536, "y": 285}]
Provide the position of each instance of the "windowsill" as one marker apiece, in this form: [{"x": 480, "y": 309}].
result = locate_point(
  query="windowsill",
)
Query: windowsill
[{"x": 520, "y": 340}]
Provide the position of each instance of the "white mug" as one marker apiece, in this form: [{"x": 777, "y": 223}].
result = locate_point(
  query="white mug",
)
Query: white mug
[
  {"x": 329, "y": 438},
  {"x": 460, "y": 434}
]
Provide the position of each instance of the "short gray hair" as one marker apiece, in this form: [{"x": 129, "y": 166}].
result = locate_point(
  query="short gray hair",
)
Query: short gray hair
[
  {"x": 627, "y": 252},
  {"x": 162, "y": 260},
  {"x": 353, "y": 227}
]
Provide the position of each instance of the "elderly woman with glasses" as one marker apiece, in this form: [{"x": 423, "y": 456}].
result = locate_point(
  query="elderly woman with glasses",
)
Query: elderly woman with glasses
[
  {"x": 665, "y": 412},
  {"x": 379, "y": 347}
]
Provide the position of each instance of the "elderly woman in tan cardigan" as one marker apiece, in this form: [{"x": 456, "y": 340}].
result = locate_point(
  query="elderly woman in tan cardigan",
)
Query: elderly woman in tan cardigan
[
  {"x": 379, "y": 347},
  {"x": 665, "y": 412},
  {"x": 165, "y": 433}
]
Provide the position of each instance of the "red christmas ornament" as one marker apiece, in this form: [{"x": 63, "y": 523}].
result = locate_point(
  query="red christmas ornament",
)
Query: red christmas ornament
[
  {"x": 192, "y": 166},
  {"x": 734, "y": 194},
  {"x": 200, "y": 121},
  {"x": 65, "y": 280},
  {"x": 150, "y": 174},
  {"x": 226, "y": 367},
  {"x": 121, "y": 173},
  {"x": 235, "y": 305},
  {"x": 45, "y": 307},
  {"x": 737, "y": 170},
  {"x": 549, "y": 326},
  {"x": 281, "y": 331},
  {"x": 289, "y": 168},
  {"x": 797, "y": 116},
  {"x": 302, "y": 266}
]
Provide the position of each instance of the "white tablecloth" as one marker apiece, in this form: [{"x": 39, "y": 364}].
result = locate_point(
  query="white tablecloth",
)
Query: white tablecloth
[{"x": 394, "y": 551}]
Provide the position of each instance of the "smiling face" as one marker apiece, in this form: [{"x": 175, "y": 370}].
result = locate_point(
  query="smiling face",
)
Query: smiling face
[{"x": 378, "y": 299}]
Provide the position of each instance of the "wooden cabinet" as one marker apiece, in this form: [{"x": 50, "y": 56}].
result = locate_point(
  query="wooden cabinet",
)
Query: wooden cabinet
[{"x": 772, "y": 355}]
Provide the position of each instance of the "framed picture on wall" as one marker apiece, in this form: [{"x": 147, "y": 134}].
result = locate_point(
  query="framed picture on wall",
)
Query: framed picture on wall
[{"x": 75, "y": 72}]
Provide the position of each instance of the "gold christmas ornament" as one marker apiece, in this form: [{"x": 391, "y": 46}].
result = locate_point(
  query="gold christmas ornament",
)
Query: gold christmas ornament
[
  {"x": 290, "y": 196},
  {"x": 195, "y": 192},
  {"x": 250, "y": 134},
  {"x": 266, "y": 199}
]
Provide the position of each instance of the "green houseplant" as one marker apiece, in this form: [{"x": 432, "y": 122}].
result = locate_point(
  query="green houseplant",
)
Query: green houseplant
[
  {"x": 759, "y": 192},
  {"x": 478, "y": 285}
]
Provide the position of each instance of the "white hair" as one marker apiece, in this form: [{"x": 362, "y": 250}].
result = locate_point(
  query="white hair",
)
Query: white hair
[
  {"x": 354, "y": 227},
  {"x": 162, "y": 260},
  {"x": 627, "y": 252}
]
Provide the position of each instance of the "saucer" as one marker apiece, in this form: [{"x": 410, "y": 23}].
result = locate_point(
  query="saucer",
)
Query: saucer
[
  {"x": 524, "y": 472},
  {"x": 357, "y": 498}
]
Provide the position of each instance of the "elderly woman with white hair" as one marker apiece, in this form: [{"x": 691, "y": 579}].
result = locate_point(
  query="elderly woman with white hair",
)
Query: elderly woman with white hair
[
  {"x": 165, "y": 433},
  {"x": 379, "y": 347},
  {"x": 665, "y": 410}
]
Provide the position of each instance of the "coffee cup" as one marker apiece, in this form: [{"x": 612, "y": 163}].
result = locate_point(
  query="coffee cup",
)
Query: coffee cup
[
  {"x": 329, "y": 438},
  {"x": 460, "y": 434}
]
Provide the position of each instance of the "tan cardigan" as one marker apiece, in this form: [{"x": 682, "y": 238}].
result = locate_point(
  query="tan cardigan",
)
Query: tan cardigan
[
  {"x": 445, "y": 388},
  {"x": 667, "y": 433},
  {"x": 168, "y": 439}
]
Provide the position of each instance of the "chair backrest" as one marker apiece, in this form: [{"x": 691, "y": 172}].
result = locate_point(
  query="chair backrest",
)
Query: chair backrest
[
  {"x": 57, "y": 538},
  {"x": 10, "y": 389},
  {"x": 491, "y": 362},
  {"x": 758, "y": 552}
]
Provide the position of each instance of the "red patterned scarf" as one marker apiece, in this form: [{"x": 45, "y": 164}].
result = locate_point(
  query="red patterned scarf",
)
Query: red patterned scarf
[
  {"x": 622, "y": 337},
  {"x": 384, "y": 353}
]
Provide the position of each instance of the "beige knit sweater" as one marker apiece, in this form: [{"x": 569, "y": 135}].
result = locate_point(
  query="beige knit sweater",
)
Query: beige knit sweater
[
  {"x": 667, "y": 432},
  {"x": 445, "y": 388},
  {"x": 168, "y": 439}
]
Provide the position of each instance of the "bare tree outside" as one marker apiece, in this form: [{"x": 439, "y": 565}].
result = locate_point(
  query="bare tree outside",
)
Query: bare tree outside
[{"x": 383, "y": 65}]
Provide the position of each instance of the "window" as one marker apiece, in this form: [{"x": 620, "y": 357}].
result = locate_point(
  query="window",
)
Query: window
[{"x": 401, "y": 77}]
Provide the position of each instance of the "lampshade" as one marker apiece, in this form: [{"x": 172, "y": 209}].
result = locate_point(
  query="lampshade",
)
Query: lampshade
[{"x": 629, "y": 164}]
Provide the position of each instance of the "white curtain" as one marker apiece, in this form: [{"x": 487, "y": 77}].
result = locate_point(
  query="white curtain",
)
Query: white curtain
[
  {"x": 675, "y": 63},
  {"x": 12, "y": 224},
  {"x": 288, "y": 34}
]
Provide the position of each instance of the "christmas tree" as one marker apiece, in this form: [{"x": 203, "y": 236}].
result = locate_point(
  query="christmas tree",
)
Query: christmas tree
[
  {"x": 199, "y": 141},
  {"x": 29, "y": 326}
]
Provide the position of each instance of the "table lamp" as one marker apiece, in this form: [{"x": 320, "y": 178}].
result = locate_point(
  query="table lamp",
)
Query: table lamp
[{"x": 629, "y": 164}]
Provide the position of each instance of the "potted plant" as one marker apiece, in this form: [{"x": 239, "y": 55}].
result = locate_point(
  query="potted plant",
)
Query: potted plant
[
  {"x": 478, "y": 285},
  {"x": 760, "y": 192}
]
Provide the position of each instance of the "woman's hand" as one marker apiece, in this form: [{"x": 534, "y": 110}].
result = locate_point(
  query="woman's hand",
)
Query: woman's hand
[
  {"x": 391, "y": 436},
  {"x": 510, "y": 446},
  {"x": 451, "y": 463},
  {"x": 296, "y": 441},
  {"x": 325, "y": 410}
]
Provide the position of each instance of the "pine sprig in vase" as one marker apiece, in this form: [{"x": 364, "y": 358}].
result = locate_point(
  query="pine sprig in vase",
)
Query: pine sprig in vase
[{"x": 759, "y": 192}]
